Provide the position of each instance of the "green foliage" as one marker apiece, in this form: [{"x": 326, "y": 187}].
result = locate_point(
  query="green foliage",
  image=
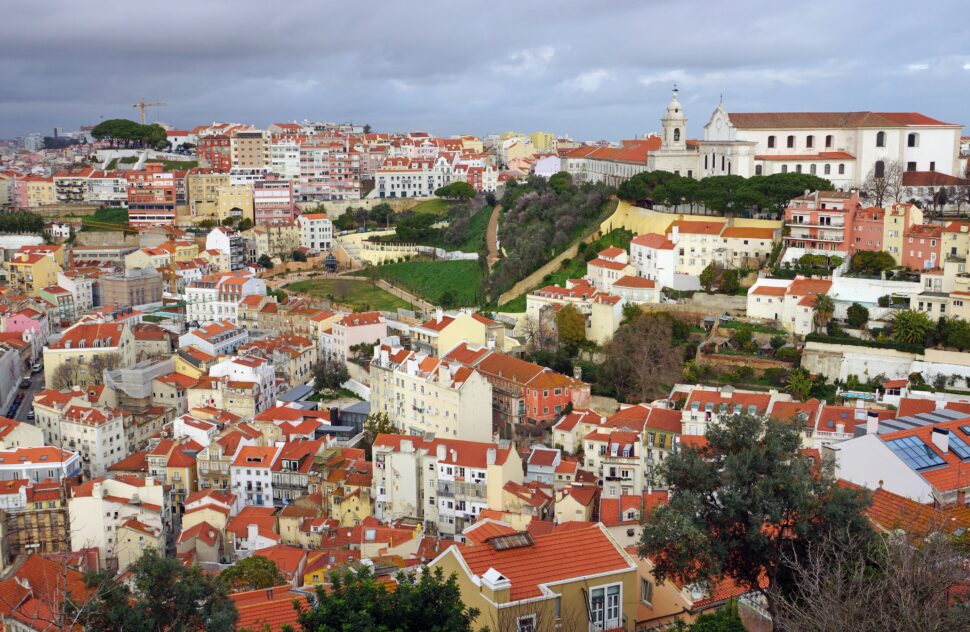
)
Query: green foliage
[
  {"x": 245, "y": 223},
  {"x": 724, "y": 620},
  {"x": 911, "y": 327},
  {"x": 466, "y": 228},
  {"x": 416, "y": 227},
  {"x": 458, "y": 282},
  {"x": 571, "y": 325},
  {"x": 858, "y": 316},
  {"x": 824, "y": 308},
  {"x": 799, "y": 384},
  {"x": 362, "y": 294},
  {"x": 742, "y": 337},
  {"x": 871, "y": 263},
  {"x": 129, "y": 133},
  {"x": 561, "y": 182},
  {"x": 422, "y": 602},
  {"x": 956, "y": 333},
  {"x": 456, "y": 191},
  {"x": 21, "y": 222},
  {"x": 116, "y": 216},
  {"x": 730, "y": 283},
  {"x": 777, "y": 342},
  {"x": 299, "y": 255},
  {"x": 252, "y": 573},
  {"x": 742, "y": 505},
  {"x": 329, "y": 373},
  {"x": 630, "y": 312},
  {"x": 708, "y": 277},
  {"x": 167, "y": 596},
  {"x": 265, "y": 261}
]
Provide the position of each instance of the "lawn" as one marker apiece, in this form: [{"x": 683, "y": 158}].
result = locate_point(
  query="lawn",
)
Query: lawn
[
  {"x": 107, "y": 215},
  {"x": 435, "y": 206},
  {"x": 445, "y": 283},
  {"x": 477, "y": 227},
  {"x": 360, "y": 294},
  {"x": 167, "y": 165}
]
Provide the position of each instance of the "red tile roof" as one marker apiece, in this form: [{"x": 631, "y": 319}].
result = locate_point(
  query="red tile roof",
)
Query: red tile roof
[
  {"x": 828, "y": 120},
  {"x": 270, "y": 609}
]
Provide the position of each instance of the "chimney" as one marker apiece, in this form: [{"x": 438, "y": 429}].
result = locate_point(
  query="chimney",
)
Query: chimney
[
  {"x": 454, "y": 455},
  {"x": 578, "y": 372},
  {"x": 442, "y": 452},
  {"x": 490, "y": 456},
  {"x": 941, "y": 439},
  {"x": 840, "y": 428},
  {"x": 872, "y": 423},
  {"x": 251, "y": 532},
  {"x": 438, "y": 314},
  {"x": 335, "y": 416}
]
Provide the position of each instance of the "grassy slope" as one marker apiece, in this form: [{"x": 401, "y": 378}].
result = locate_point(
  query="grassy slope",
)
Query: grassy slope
[
  {"x": 431, "y": 279},
  {"x": 436, "y": 206},
  {"x": 360, "y": 293}
]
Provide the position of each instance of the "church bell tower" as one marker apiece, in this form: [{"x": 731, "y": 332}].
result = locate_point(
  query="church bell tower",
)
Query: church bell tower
[{"x": 674, "y": 125}]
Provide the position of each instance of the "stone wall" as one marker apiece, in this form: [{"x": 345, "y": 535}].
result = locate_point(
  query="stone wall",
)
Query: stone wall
[
  {"x": 834, "y": 361},
  {"x": 336, "y": 208}
]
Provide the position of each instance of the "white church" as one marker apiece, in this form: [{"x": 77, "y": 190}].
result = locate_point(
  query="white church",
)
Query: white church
[{"x": 840, "y": 146}]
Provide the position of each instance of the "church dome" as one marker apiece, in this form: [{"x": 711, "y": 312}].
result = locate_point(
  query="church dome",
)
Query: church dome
[{"x": 674, "y": 109}]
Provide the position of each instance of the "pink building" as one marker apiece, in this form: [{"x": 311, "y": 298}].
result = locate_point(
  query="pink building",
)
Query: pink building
[
  {"x": 352, "y": 330},
  {"x": 866, "y": 230},
  {"x": 273, "y": 200},
  {"x": 921, "y": 247},
  {"x": 30, "y": 320},
  {"x": 822, "y": 221}
]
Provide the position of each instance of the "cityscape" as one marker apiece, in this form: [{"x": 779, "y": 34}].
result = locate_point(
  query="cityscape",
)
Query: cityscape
[{"x": 347, "y": 358}]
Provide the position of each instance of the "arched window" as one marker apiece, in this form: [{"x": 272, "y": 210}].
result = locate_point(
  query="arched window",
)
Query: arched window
[
  {"x": 828, "y": 141},
  {"x": 880, "y": 168},
  {"x": 705, "y": 162},
  {"x": 828, "y": 169},
  {"x": 722, "y": 163},
  {"x": 798, "y": 168},
  {"x": 676, "y": 134},
  {"x": 757, "y": 170},
  {"x": 729, "y": 167},
  {"x": 842, "y": 169},
  {"x": 784, "y": 168},
  {"x": 811, "y": 170},
  {"x": 791, "y": 142},
  {"x": 880, "y": 139},
  {"x": 771, "y": 142},
  {"x": 810, "y": 141},
  {"x": 912, "y": 140}
]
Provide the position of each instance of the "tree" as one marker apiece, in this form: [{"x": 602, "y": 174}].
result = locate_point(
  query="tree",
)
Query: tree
[
  {"x": 356, "y": 602},
  {"x": 329, "y": 373},
  {"x": 633, "y": 190},
  {"x": 911, "y": 327},
  {"x": 744, "y": 503},
  {"x": 571, "y": 325},
  {"x": 708, "y": 277},
  {"x": 299, "y": 255},
  {"x": 742, "y": 337},
  {"x": 456, "y": 191},
  {"x": 799, "y": 384},
  {"x": 643, "y": 359},
  {"x": 252, "y": 573},
  {"x": 561, "y": 182},
  {"x": 416, "y": 227},
  {"x": 881, "y": 188},
  {"x": 377, "y": 424},
  {"x": 245, "y": 223},
  {"x": 899, "y": 582},
  {"x": 870, "y": 262},
  {"x": 168, "y": 596},
  {"x": 957, "y": 333},
  {"x": 730, "y": 284},
  {"x": 490, "y": 198},
  {"x": 630, "y": 312},
  {"x": 724, "y": 620},
  {"x": 823, "y": 310},
  {"x": 777, "y": 342},
  {"x": 857, "y": 316},
  {"x": 265, "y": 261},
  {"x": 367, "y": 128},
  {"x": 67, "y": 375}
]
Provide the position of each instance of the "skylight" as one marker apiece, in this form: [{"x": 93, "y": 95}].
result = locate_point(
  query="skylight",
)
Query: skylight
[{"x": 915, "y": 453}]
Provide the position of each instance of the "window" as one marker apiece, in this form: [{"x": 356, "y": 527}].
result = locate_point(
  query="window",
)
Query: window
[
  {"x": 798, "y": 168},
  {"x": 791, "y": 142},
  {"x": 810, "y": 141},
  {"x": 827, "y": 169},
  {"x": 784, "y": 168},
  {"x": 828, "y": 141},
  {"x": 757, "y": 170},
  {"x": 910, "y": 166},
  {"x": 771, "y": 142},
  {"x": 604, "y": 607},
  {"x": 880, "y": 168},
  {"x": 676, "y": 134},
  {"x": 842, "y": 170},
  {"x": 880, "y": 139},
  {"x": 811, "y": 170},
  {"x": 646, "y": 591},
  {"x": 526, "y": 623},
  {"x": 912, "y": 140},
  {"x": 932, "y": 166}
]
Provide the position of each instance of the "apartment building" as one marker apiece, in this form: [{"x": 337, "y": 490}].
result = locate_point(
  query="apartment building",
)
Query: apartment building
[
  {"x": 422, "y": 394},
  {"x": 402, "y": 177},
  {"x": 29, "y": 273},
  {"x": 274, "y": 201},
  {"x": 252, "y": 475},
  {"x": 329, "y": 170},
  {"x": 447, "y": 330},
  {"x": 214, "y": 460},
  {"x": 216, "y": 339},
  {"x": 316, "y": 232},
  {"x": 705, "y": 405},
  {"x": 248, "y": 373},
  {"x": 38, "y": 522},
  {"x": 789, "y": 302},
  {"x": 352, "y": 330},
  {"x": 217, "y": 296},
  {"x": 135, "y": 286},
  {"x": 249, "y": 149},
  {"x": 38, "y": 464},
  {"x": 216, "y": 149},
  {"x": 97, "y": 433},
  {"x": 89, "y": 348},
  {"x": 446, "y": 483},
  {"x": 152, "y": 195},
  {"x": 292, "y": 356},
  {"x": 291, "y": 469}
]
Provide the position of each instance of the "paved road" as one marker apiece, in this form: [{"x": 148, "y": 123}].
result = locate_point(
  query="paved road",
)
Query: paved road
[
  {"x": 36, "y": 384},
  {"x": 491, "y": 236}
]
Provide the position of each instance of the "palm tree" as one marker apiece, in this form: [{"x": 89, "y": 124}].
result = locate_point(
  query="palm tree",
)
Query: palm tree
[
  {"x": 799, "y": 384},
  {"x": 824, "y": 308},
  {"x": 911, "y": 327}
]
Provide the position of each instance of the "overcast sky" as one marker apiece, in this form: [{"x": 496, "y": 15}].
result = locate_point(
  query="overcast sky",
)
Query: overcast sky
[{"x": 592, "y": 70}]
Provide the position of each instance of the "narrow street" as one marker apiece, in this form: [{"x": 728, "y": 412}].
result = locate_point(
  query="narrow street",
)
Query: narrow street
[
  {"x": 36, "y": 384},
  {"x": 491, "y": 236}
]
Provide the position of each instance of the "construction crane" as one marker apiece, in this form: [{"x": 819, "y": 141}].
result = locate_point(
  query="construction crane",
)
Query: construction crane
[{"x": 141, "y": 105}]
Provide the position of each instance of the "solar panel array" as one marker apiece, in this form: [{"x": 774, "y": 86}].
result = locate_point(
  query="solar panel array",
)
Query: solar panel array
[
  {"x": 915, "y": 453},
  {"x": 958, "y": 446}
]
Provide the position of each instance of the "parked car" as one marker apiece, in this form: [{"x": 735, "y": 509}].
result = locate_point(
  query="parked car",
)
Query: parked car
[
  {"x": 25, "y": 383},
  {"x": 37, "y": 368},
  {"x": 30, "y": 414}
]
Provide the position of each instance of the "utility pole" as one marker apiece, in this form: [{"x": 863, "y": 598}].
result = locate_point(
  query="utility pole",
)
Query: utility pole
[{"x": 141, "y": 105}]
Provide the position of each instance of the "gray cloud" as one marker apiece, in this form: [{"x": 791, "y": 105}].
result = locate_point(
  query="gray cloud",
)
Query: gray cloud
[{"x": 592, "y": 70}]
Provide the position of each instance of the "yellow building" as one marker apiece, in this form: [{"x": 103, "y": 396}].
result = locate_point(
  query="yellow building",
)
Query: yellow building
[
  {"x": 181, "y": 250},
  {"x": 193, "y": 362},
  {"x": 260, "y": 239},
  {"x": 896, "y": 220},
  {"x": 235, "y": 201},
  {"x": 202, "y": 192},
  {"x": 86, "y": 350},
  {"x": 519, "y": 582},
  {"x": 543, "y": 142},
  {"x": 444, "y": 332},
  {"x": 29, "y": 273},
  {"x": 55, "y": 251},
  {"x": 134, "y": 538},
  {"x": 40, "y": 192}
]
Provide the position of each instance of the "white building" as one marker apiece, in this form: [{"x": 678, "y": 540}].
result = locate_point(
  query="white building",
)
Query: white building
[
  {"x": 229, "y": 243},
  {"x": 97, "y": 433},
  {"x": 38, "y": 464},
  {"x": 198, "y": 430},
  {"x": 284, "y": 158},
  {"x": 218, "y": 338},
  {"x": 412, "y": 177},
  {"x": 316, "y": 232},
  {"x": 14, "y": 434},
  {"x": 423, "y": 394},
  {"x": 252, "y": 475},
  {"x": 217, "y": 296},
  {"x": 249, "y": 370}
]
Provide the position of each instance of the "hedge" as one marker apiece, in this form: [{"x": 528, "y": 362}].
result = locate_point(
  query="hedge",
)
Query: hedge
[{"x": 856, "y": 342}]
